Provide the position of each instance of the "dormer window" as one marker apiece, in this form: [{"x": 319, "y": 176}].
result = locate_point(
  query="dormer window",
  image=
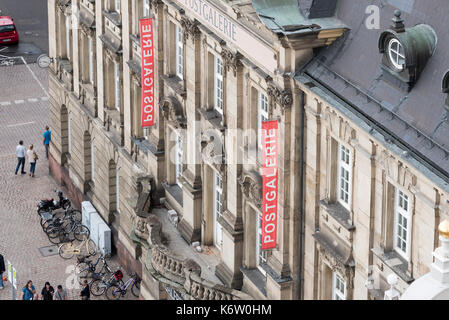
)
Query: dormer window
[
  {"x": 405, "y": 52},
  {"x": 396, "y": 54}
]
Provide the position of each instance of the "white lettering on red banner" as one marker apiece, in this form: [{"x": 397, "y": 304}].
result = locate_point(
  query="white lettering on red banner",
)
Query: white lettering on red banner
[
  {"x": 270, "y": 184},
  {"x": 147, "y": 51}
]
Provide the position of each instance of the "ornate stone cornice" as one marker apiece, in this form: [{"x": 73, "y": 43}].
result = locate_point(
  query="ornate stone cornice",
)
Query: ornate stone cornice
[
  {"x": 231, "y": 60},
  {"x": 190, "y": 28},
  {"x": 283, "y": 98}
]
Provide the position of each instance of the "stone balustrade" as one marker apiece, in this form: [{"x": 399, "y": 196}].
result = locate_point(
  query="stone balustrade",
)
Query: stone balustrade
[
  {"x": 200, "y": 289},
  {"x": 184, "y": 271}
]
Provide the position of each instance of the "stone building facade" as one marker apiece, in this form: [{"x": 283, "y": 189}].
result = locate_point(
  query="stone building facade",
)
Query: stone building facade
[
  {"x": 220, "y": 72},
  {"x": 375, "y": 157},
  {"x": 363, "y": 174}
]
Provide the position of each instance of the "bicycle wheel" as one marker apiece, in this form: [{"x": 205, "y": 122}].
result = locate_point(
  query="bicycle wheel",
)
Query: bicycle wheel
[
  {"x": 66, "y": 250},
  {"x": 135, "y": 289},
  {"x": 82, "y": 272},
  {"x": 76, "y": 215},
  {"x": 98, "y": 287},
  {"x": 53, "y": 235},
  {"x": 113, "y": 293},
  {"x": 65, "y": 237},
  {"x": 81, "y": 232},
  {"x": 91, "y": 247}
]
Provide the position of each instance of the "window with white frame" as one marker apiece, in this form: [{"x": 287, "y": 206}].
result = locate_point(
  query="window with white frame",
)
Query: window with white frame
[
  {"x": 146, "y": 8},
  {"x": 179, "y": 52},
  {"x": 117, "y": 5},
  {"x": 218, "y": 85},
  {"x": 117, "y": 85},
  {"x": 92, "y": 160},
  {"x": 117, "y": 190},
  {"x": 67, "y": 35},
  {"x": 218, "y": 203},
  {"x": 396, "y": 54},
  {"x": 178, "y": 164},
  {"x": 262, "y": 110},
  {"x": 338, "y": 287},
  {"x": 344, "y": 178},
  {"x": 261, "y": 255},
  {"x": 402, "y": 223},
  {"x": 91, "y": 60}
]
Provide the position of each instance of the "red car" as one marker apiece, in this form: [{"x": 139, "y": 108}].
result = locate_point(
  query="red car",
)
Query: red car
[{"x": 8, "y": 31}]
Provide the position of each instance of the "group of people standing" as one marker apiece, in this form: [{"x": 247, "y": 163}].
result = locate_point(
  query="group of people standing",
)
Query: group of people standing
[
  {"x": 47, "y": 293},
  {"x": 31, "y": 154}
]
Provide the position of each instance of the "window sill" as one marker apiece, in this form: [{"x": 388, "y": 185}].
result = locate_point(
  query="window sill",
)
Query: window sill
[
  {"x": 258, "y": 279},
  {"x": 213, "y": 117},
  {"x": 339, "y": 213},
  {"x": 395, "y": 262},
  {"x": 114, "y": 16},
  {"x": 176, "y": 84},
  {"x": 175, "y": 191}
]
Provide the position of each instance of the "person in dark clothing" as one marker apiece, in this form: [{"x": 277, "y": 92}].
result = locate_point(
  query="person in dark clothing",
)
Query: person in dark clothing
[
  {"x": 2, "y": 269},
  {"x": 47, "y": 292},
  {"x": 85, "y": 293}
]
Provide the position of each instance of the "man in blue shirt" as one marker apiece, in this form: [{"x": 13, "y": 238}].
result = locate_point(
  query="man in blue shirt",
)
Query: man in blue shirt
[{"x": 47, "y": 139}]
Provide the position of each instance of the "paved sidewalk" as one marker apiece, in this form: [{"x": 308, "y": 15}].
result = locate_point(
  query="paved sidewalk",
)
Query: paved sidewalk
[{"x": 21, "y": 236}]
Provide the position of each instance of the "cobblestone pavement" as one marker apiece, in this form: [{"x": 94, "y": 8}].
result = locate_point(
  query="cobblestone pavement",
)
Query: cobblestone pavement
[{"x": 21, "y": 236}]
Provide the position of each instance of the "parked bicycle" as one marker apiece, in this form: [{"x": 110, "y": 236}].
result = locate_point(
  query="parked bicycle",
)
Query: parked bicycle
[
  {"x": 86, "y": 247},
  {"x": 115, "y": 292},
  {"x": 66, "y": 230},
  {"x": 87, "y": 270},
  {"x": 50, "y": 217},
  {"x": 99, "y": 286}
]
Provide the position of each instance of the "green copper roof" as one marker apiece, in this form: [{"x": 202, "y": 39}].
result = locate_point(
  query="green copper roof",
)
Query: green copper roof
[{"x": 284, "y": 16}]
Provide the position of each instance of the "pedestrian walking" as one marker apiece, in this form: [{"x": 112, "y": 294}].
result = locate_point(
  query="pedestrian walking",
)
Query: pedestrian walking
[
  {"x": 47, "y": 292},
  {"x": 20, "y": 153},
  {"x": 60, "y": 294},
  {"x": 47, "y": 139},
  {"x": 32, "y": 158},
  {"x": 2, "y": 269},
  {"x": 29, "y": 292},
  {"x": 85, "y": 293}
]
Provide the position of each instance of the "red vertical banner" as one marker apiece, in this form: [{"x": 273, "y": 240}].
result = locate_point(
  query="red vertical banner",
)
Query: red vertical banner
[
  {"x": 147, "y": 55},
  {"x": 270, "y": 184}
]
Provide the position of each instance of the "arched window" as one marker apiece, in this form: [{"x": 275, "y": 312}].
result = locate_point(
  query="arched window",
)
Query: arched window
[{"x": 396, "y": 54}]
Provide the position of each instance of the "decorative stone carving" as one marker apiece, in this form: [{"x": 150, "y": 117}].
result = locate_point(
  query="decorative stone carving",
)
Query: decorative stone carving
[
  {"x": 396, "y": 170},
  {"x": 141, "y": 229},
  {"x": 251, "y": 184},
  {"x": 338, "y": 126},
  {"x": 231, "y": 60},
  {"x": 173, "y": 112},
  {"x": 88, "y": 32},
  {"x": 213, "y": 154},
  {"x": 190, "y": 28},
  {"x": 335, "y": 265},
  {"x": 283, "y": 98}
]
